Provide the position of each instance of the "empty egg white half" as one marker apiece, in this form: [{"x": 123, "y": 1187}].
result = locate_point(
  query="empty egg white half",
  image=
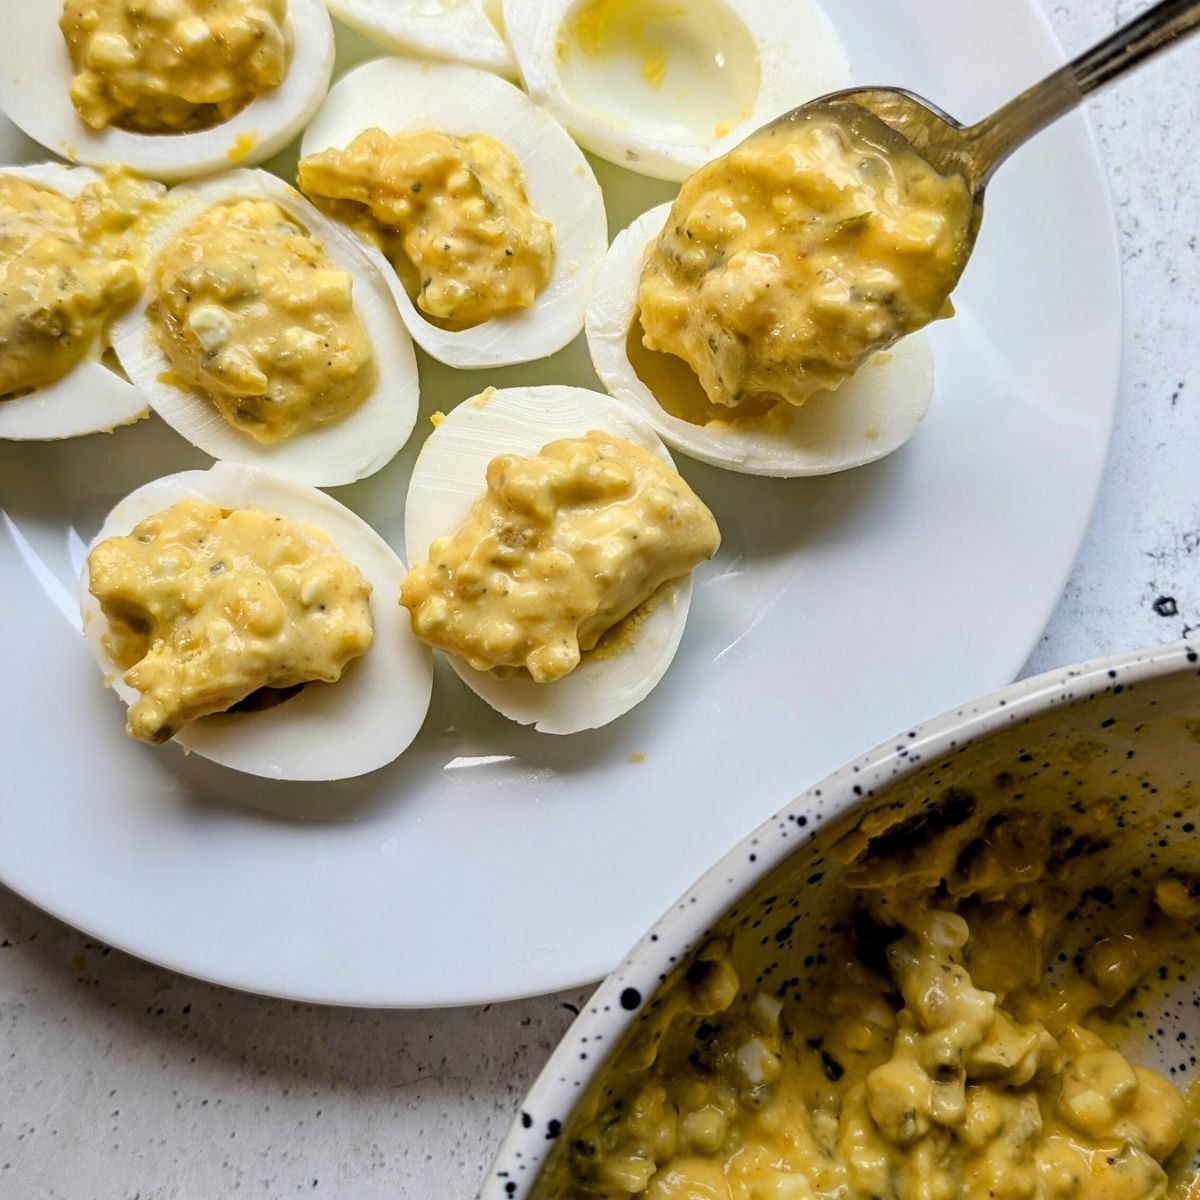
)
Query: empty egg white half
[
  {"x": 450, "y": 475},
  {"x": 463, "y": 31},
  {"x": 35, "y": 91},
  {"x": 341, "y": 452},
  {"x": 873, "y": 413},
  {"x": 327, "y": 730},
  {"x": 91, "y": 397},
  {"x": 406, "y": 95},
  {"x": 661, "y": 87}
]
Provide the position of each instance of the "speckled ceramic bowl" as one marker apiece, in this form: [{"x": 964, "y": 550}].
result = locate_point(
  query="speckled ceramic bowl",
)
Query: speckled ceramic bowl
[{"x": 1112, "y": 748}]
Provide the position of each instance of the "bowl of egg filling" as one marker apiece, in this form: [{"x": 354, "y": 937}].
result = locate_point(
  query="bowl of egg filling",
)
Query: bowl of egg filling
[{"x": 966, "y": 964}]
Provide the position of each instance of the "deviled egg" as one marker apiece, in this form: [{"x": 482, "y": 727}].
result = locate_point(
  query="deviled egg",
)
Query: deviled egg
[
  {"x": 266, "y": 335},
  {"x": 478, "y": 206},
  {"x": 553, "y": 545},
  {"x": 871, "y": 414},
  {"x": 170, "y": 88},
  {"x": 253, "y": 620},
  {"x": 660, "y": 87},
  {"x": 68, "y": 265},
  {"x": 463, "y": 31}
]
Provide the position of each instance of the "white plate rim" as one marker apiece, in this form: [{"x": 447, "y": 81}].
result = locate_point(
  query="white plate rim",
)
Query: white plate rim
[{"x": 541, "y": 976}]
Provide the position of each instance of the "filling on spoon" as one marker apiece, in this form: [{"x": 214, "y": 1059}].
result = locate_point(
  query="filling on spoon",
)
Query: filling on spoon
[{"x": 793, "y": 259}]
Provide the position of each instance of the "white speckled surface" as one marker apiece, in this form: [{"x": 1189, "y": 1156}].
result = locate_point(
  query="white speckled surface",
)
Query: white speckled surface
[{"x": 122, "y": 1080}]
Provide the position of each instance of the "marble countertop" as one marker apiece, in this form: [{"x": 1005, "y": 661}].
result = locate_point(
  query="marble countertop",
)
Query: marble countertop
[{"x": 124, "y": 1080}]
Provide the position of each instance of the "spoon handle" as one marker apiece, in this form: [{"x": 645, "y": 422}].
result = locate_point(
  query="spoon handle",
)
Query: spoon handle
[{"x": 996, "y": 137}]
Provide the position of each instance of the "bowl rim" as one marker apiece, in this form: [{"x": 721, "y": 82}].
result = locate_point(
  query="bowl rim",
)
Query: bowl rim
[{"x": 682, "y": 927}]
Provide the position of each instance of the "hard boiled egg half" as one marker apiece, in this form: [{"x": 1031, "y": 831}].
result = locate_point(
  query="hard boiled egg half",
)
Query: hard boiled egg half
[
  {"x": 662, "y": 87},
  {"x": 92, "y": 397},
  {"x": 873, "y": 413},
  {"x": 342, "y": 451},
  {"x": 464, "y": 31},
  {"x": 36, "y": 76},
  {"x": 326, "y": 730},
  {"x": 409, "y": 96},
  {"x": 450, "y": 474}
]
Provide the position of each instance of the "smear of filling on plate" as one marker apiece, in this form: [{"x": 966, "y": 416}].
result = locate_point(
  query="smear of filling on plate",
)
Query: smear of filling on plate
[
  {"x": 206, "y": 606},
  {"x": 251, "y": 311},
  {"x": 954, "y": 1045},
  {"x": 562, "y": 546},
  {"x": 170, "y": 66},
  {"x": 450, "y": 213},
  {"x": 787, "y": 263},
  {"x": 65, "y": 271}
]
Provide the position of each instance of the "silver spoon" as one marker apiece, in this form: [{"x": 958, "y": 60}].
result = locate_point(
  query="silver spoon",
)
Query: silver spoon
[{"x": 975, "y": 151}]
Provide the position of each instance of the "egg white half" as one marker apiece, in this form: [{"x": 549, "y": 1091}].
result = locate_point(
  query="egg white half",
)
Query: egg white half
[
  {"x": 450, "y": 475},
  {"x": 35, "y": 92},
  {"x": 341, "y": 452},
  {"x": 401, "y": 95},
  {"x": 457, "y": 30},
  {"x": 327, "y": 730},
  {"x": 790, "y": 46},
  {"x": 90, "y": 398},
  {"x": 873, "y": 413}
]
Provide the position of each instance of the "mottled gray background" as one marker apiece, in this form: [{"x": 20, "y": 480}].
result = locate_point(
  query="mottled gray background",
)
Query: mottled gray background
[{"x": 123, "y": 1080}]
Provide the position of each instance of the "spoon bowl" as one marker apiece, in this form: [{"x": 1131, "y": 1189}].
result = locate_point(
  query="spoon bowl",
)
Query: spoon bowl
[
  {"x": 931, "y": 131},
  {"x": 975, "y": 151}
]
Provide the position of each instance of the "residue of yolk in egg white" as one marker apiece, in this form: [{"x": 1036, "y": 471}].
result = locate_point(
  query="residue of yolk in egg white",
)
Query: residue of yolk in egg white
[
  {"x": 672, "y": 72},
  {"x": 242, "y": 145},
  {"x": 724, "y": 128},
  {"x": 654, "y": 67},
  {"x": 601, "y": 28}
]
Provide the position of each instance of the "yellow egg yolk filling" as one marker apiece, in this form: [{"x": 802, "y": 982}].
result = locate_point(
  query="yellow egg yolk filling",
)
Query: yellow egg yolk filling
[
  {"x": 945, "y": 1044},
  {"x": 172, "y": 66},
  {"x": 787, "y": 263},
  {"x": 450, "y": 214},
  {"x": 251, "y": 311},
  {"x": 562, "y": 546},
  {"x": 65, "y": 272},
  {"x": 207, "y": 606}
]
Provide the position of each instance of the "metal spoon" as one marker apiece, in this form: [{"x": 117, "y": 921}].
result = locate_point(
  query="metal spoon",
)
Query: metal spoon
[{"x": 975, "y": 151}]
